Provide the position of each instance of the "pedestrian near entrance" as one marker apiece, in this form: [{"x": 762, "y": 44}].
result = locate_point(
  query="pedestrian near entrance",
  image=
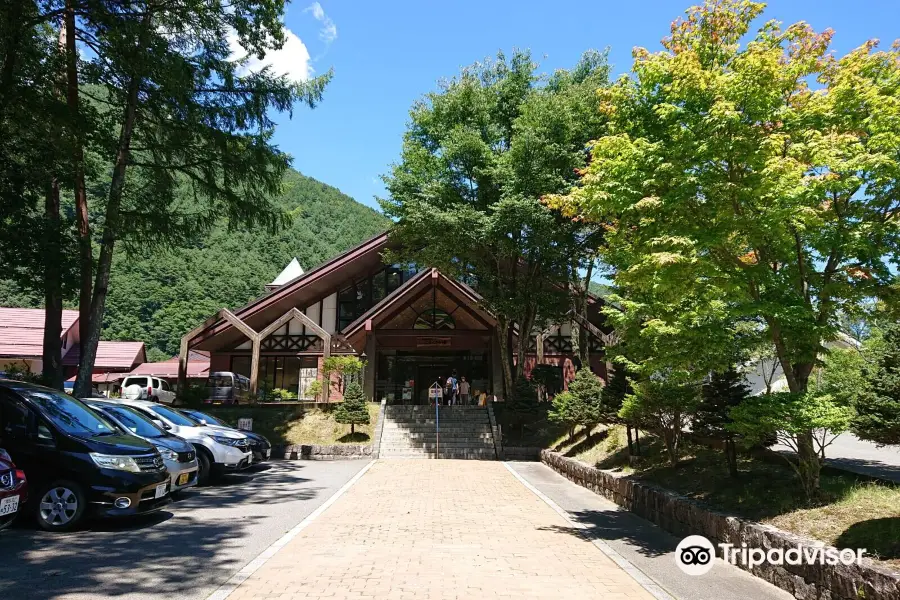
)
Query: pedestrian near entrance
[
  {"x": 463, "y": 391},
  {"x": 451, "y": 389}
]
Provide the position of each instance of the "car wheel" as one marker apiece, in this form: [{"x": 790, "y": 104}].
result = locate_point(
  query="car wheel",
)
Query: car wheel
[
  {"x": 61, "y": 506},
  {"x": 204, "y": 472}
]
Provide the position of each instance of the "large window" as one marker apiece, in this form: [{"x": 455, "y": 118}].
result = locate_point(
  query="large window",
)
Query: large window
[
  {"x": 275, "y": 371},
  {"x": 362, "y": 295}
]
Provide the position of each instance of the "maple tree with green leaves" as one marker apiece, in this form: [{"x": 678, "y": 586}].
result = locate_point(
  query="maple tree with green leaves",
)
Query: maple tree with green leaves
[{"x": 746, "y": 180}]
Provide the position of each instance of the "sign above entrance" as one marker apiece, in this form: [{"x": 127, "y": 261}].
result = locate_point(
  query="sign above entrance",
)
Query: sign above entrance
[{"x": 433, "y": 341}]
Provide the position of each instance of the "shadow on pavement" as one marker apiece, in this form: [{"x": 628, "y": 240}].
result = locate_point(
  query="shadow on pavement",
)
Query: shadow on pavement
[
  {"x": 874, "y": 468},
  {"x": 174, "y": 551},
  {"x": 614, "y": 524}
]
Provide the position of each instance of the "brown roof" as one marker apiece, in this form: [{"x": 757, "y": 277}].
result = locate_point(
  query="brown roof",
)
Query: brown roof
[
  {"x": 322, "y": 280},
  {"x": 22, "y": 331},
  {"x": 111, "y": 355}
]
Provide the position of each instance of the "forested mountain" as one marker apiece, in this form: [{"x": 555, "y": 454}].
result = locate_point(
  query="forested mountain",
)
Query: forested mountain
[{"x": 157, "y": 297}]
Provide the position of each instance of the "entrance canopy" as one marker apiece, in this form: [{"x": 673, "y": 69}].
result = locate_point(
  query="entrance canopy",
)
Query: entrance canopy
[{"x": 428, "y": 311}]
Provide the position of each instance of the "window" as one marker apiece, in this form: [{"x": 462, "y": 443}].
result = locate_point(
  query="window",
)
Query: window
[
  {"x": 134, "y": 421},
  {"x": 13, "y": 417},
  {"x": 69, "y": 414},
  {"x": 174, "y": 417},
  {"x": 361, "y": 295},
  {"x": 164, "y": 385},
  {"x": 141, "y": 381}
]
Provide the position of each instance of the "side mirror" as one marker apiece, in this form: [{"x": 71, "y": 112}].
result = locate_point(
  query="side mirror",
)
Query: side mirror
[
  {"x": 203, "y": 422},
  {"x": 162, "y": 425}
]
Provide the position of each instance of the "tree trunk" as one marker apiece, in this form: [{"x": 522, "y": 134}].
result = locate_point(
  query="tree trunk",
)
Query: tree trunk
[
  {"x": 580, "y": 334},
  {"x": 524, "y": 340},
  {"x": 630, "y": 442},
  {"x": 503, "y": 330},
  {"x": 108, "y": 242},
  {"x": 352, "y": 430},
  {"x": 637, "y": 441},
  {"x": 85, "y": 256},
  {"x": 671, "y": 439},
  {"x": 52, "y": 352},
  {"x": 809, "y": 466},
  {"x": 731, "y": 456}
]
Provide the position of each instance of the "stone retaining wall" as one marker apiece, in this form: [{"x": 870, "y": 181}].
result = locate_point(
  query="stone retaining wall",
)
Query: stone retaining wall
[
  {"x": 682, "y": 516},
  {"x": 316, "y": 452}
]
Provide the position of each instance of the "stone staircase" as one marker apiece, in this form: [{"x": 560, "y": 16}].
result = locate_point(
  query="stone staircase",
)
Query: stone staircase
[{"x": 409, "y": 432}]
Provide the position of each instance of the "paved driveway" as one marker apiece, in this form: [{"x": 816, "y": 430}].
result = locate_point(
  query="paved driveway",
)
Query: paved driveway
[
  {"x": 184, "y": 552},
  {"x": 439, "y": 529},
  {"x": 853, "y": 454}
]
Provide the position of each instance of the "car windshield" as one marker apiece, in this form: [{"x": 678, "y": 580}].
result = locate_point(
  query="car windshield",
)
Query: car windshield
[
  {"x": 141, "y": 381},
  {"x": 219, "y": 381},
  {"x": 196, "y": 414},
  {"x": 175, "y": 417},
  {"x": 69, "y": 414},
  {"x": 134, "y": 421}
]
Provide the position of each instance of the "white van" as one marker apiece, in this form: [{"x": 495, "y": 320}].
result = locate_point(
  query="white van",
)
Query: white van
[{"x": 145, "y": 387}]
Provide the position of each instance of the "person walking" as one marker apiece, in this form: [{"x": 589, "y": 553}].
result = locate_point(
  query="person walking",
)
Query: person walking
[
  {"x": 452, "y": 389},
  {"x": 463, "y": 391}
]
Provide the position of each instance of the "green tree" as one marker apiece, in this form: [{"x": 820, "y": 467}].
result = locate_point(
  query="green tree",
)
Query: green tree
[
  {"x": 664, "y": 408},
  {"x": 563, "y": 411},
  {"x": 878, "y": 407},
  {"x": 587, "y": 393},
  {"x": 176, "y": 113},
  {"x": 791, "y": 417},
  {"x": 353, "y": 410},
  {"x": 478, "y": 156},
  {"x": 719, "y": 394},
  {"x": 523, "y": 408},
  {"x": 727, "y": 185}
]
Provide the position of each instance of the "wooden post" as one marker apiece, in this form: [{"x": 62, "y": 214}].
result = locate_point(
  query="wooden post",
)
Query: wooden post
[
  {"x": 254, "y": 368},
  {"x": 181, "y": 387}
]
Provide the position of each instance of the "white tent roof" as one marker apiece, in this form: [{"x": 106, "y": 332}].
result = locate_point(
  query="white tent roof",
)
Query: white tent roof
[{"x": 290, "y": 272}]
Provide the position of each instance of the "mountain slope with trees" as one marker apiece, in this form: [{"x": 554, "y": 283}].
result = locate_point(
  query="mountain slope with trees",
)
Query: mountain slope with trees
[{"x": 157, "y": 296}]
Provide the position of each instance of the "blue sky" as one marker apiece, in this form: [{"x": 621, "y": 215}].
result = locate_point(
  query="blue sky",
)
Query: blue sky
[{"x": 388, "y": 54}]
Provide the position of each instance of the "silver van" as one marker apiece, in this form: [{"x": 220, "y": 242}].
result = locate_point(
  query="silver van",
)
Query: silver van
[{"x": 225, "y": 387}]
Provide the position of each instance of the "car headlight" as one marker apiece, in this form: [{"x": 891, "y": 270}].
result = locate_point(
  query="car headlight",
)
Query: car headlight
[
  {"x": 167, "y": 454},
  {"x": 112, "y": 461},
  {"x": 227, "y": 441}
]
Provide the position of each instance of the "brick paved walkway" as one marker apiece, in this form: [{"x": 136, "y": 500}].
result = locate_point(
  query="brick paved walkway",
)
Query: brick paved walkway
[{"x": 439, "y": 529}]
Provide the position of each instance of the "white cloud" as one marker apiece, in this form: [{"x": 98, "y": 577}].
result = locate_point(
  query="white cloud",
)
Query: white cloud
[
  {"x": 328, "y": 32},
  {"x": 291, "y": 60}
]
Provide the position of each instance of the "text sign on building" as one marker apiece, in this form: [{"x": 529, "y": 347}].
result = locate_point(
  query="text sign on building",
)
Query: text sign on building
[
  {"x": 245, "y": 424},
  {"x": 432, "y": 341}
]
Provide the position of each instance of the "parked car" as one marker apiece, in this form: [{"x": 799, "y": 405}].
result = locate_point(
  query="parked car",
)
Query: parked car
[
  {"x": 218, "y": 450},
  {"x": 13, "y": 490},
  {"x": 259, "y": 444},
  {"x": 178, "y": 455},
  {"x": 225, "y": 387},
  {"x": 77, "y": 462},
  {"x": 144, "y": 387}
]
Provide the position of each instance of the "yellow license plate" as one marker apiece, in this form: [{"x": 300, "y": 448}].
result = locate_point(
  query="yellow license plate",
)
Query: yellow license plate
[{"x": 183, "y": 478}]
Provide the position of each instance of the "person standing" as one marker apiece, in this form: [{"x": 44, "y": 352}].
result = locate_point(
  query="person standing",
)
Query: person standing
[{"x": 463, "y": 391}]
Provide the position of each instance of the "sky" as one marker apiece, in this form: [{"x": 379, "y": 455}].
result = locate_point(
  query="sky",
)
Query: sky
[{"x": 387, "y": 54}]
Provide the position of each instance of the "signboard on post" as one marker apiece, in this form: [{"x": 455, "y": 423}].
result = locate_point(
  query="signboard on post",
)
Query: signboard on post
[
  {"x": 436, "y": 393},
  {"x": 245, "y": 424}
]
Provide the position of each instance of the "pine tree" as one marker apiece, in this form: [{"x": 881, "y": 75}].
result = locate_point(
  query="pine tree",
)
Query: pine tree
[
  {"x": 611, "y": 403},
  {"x": 878, "y": 408},
  {"x": 562, "y": 411},
  {"x": 353, "y": 409},
  {"x": 721, "y": 393},
  {"x": 523, "y": 407},
  {"x": 587, "y": 392}
]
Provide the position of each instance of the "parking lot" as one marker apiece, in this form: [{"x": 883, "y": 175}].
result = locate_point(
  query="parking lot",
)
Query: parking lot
[{"x": 186, "y": 550}]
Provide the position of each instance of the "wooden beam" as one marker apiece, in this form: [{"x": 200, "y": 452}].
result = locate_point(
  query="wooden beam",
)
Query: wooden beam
[{"x": 187, "y": 338}]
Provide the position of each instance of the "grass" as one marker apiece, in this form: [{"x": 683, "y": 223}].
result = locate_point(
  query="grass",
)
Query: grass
[
  {"x": 851, "y": 512},
  {"x": 298, "y": 425}
]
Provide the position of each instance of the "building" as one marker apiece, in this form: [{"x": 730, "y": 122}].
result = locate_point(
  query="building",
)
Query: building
[
  {"x": 412, "y": 326},
  {"x": 22, "y": 342}
]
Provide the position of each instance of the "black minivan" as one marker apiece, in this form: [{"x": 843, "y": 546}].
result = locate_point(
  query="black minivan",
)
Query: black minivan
[{"x": 78, "y": 464}]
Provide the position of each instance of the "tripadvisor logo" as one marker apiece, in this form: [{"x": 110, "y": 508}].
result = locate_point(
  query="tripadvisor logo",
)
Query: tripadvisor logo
[{"x": 694, "y": 555}]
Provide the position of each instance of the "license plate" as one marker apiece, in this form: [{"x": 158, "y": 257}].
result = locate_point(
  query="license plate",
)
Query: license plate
[
  {"x": 9, "y": 505},
  {"x": 161, "y": 490},
  {"x": 183, "y": 478},
  {"x": 268, "y": 454}
]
